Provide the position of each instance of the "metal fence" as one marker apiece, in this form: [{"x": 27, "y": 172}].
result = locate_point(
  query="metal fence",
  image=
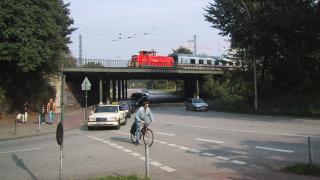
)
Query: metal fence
[{"x": 105, "y": 63}]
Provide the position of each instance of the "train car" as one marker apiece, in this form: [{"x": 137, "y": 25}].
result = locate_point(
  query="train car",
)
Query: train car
[
  {"x": 151, "y": 59},
  {"x": 191, "y": 60}
]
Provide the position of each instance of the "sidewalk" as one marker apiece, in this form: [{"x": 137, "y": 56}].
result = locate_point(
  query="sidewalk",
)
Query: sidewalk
[{"x": 73, "y": 118}]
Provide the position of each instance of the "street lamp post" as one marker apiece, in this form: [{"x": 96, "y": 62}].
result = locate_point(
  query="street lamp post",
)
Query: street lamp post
[{"x": 254, "y": 60}]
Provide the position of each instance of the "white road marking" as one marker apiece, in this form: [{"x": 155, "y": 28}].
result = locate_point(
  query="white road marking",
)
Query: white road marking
[
  {"x": 167, "y": 134},
  {"x": 78, "y": 132},
  {"x": 99, "y": 139},
  {"x": 91, "y": 137},
  {"x": 194, "y": 151},
  {"x": 173, "y": 145},
  {"x": 123, "y": 133},
  {"x": 107, "y": 142},
  {"x": 222, "y": 158},
  {"x": 118, "y": 147},
  {"x": 238, "y": 162},
  {"x": 243, "y": 131},
  {"x": 21, "y": 150},
  {"x": 274, "y": 149},
  {"x": 135, "y": 154},
  {"x": 208, "y": 140},
  {"x": 155, "y": 140},
  {"x": 183, "y": 147},
  {"x": 167, "y": 168},
  {"x": 127, "y": 150},
  {"x": 112, "y": 144},
  {"x": 163, "y": 142},
  {"x": 208, "y": 154},
  {"x": 155, "y": 163},
  {"x": 142, "y": 158}
]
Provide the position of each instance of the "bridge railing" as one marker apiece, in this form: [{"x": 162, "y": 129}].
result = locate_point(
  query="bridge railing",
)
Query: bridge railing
[{"x": 104, "y": 63}]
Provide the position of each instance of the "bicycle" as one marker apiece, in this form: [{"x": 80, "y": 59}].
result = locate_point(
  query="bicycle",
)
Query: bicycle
[{"x": 146, "y": 134}]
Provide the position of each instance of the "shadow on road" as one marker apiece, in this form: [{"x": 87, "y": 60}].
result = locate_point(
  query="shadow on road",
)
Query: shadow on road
[{"x": 19, "y": 162}]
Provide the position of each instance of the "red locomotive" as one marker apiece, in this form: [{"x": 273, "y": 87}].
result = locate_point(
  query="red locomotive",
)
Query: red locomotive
[{"x": 150, "y": 59}]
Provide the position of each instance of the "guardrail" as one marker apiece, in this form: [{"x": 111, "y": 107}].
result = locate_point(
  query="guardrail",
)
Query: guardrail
[{"x": 104, "y": 63}]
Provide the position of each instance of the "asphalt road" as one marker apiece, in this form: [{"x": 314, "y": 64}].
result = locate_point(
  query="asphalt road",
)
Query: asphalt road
[{"x": 188, "y": 145}]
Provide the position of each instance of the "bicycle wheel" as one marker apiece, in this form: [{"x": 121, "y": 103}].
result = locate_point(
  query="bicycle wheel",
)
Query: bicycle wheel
[{"x": 148, "y": 137}]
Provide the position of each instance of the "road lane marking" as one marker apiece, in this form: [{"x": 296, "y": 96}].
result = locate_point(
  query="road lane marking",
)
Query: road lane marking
[
  {"x": 155, "y": 163},
  {"x": 222, "y": 158},
  {"x": 208, "y": 154},
  {"x": 167, "y": 168},
  {"x": 183, "y": 148},
  {"x": 238, "y": 162},
  {"x": 135, "y": 154},
  {"x": 208, "y": 140},
  {"x": 127, "y": 150},
  {"x": 194, "y": 151},
  {"x": 155, "y": 140},
  {"x": 274, "y": 149},
  {"x": 163, "y": 142},
  {"x": 118, "y": 147},
  {"x": 167, "y": 134},
  {"x": 123, "y": 133},
  {"x": 173, "y": 145},
  {"x": 21, "y": 150}
]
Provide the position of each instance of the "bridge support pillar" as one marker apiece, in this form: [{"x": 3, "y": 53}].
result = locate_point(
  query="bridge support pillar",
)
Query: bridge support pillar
[
  {"x": 100, "y": 90},
  {"x": 122, "y": 88},
  {"x": 126, "y": 89},
  {"x": 114, "y": 98},
  {"x": 197, "y": 88},
  {"x": 108, "y": 91},
  {"x": 119, "y": 89}
]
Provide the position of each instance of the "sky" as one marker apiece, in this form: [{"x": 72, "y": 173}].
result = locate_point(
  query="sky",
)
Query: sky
[{"x": 118, "y": 29}]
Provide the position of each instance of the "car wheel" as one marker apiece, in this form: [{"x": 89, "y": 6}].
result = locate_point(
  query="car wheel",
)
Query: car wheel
[
  {"x": 90, "y": 127},
  {"x": 129, "y": 115},
  {"x": 119, "y": 124},
  {"x": 187, "y": 109},
  {"x": 125, "y": 121}
]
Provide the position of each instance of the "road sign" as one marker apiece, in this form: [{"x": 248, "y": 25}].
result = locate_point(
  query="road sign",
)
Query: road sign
[
  {"x": 86, "y": 85},
  {"x": 59, "y": 133}
]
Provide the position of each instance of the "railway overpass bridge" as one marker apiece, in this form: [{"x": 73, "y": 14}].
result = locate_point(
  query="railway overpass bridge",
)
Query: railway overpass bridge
[{"x": 109, "y": 78}]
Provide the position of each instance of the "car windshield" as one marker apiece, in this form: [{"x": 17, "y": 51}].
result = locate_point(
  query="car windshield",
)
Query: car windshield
[
  {"x": 124, "y": 106},
  {"x": 197, "y": 101},
  {"x": 106, "y": 109}
]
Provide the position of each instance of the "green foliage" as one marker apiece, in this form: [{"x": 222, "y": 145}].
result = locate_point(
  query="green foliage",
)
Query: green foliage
[
  {"x": 305, "y": 169},
  {"x": 283, "y": 38},
  {"x": 228, "y": 94},
  {"x": 34, "y": 35}
]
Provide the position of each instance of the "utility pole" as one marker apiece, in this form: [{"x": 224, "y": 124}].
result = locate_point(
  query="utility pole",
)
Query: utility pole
[
  {"x": 80, "y": 50},
  {"x": 194, "y": 44}
]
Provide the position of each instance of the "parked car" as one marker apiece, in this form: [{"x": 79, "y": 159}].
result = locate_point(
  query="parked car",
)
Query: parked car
[
  {"x": 126, "y": 106},
  {"x": 196, "y": 104},
  {"x": 137, "y": 99},
  {"x": 107, "y": 115}
]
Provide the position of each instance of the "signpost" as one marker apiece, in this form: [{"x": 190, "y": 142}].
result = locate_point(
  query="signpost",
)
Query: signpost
[
  {"x": 86, "y": 86},
  {"x": 59, "y": 131}
]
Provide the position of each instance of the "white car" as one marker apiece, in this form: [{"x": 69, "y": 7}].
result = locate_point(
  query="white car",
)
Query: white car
[{"x": 107, "y": 115}]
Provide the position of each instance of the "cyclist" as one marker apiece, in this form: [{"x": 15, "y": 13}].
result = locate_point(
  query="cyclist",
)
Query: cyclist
[{"x": 143, "y": 115}]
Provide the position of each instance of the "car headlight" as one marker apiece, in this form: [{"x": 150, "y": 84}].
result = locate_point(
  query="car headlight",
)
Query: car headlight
[
  {"x": 91, "y": 119},
  {"x": 113, "y": 118}
]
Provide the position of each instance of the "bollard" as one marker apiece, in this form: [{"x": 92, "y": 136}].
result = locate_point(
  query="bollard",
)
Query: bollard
[
  {"x": 147, "y": 161},
  {"x": 15, "y": 127},
  {"x": 310, "y": 150},
  {"x": 39, "y": 121}
]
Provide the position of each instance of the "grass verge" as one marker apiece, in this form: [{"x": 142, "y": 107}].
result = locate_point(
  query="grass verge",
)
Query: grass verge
[
  {"x": 305, "y": 169},
  {"x": 120, "y": 178}
]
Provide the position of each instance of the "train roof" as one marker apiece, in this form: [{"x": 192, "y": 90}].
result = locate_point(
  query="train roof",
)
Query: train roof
[{"x": 193, "y": 55}]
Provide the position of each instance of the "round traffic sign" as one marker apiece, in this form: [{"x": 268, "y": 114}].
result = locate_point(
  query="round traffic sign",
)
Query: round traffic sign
[{"x": 59, "y": 133}]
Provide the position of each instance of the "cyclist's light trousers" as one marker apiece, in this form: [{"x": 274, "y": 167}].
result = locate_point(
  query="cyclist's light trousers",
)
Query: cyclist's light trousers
[{"x": 138, "y": 130}]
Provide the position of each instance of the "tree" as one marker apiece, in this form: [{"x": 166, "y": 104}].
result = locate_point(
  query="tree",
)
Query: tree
[
  {"x": 34, "y": 35},
  {"x": 285, "y": 35}
]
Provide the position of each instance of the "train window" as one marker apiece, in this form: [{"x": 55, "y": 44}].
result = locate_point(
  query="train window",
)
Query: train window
[
  {"x": 200, "y": 61},
  {"x": 216, "y": 63},
  {"x": 230, "y": 63},
  {"x": 192, "y": 61},
  {"x": 209, "y": 62}
]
